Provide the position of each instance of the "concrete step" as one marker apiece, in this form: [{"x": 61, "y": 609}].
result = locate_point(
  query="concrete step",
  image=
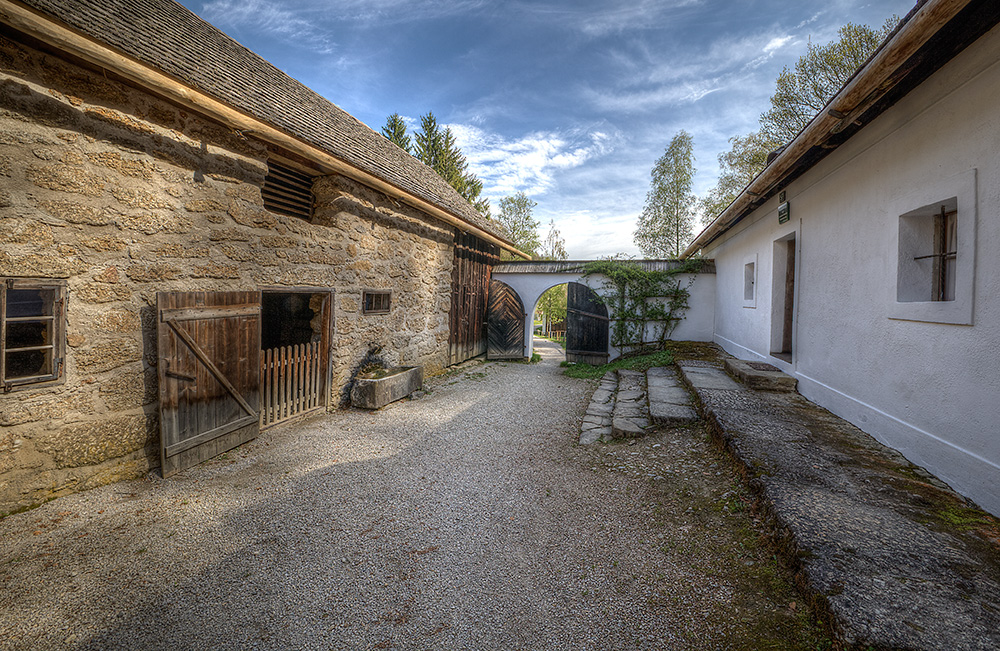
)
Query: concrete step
[
  {"x": 760, "y": 375},
  {"x": 872, "y": 538}
]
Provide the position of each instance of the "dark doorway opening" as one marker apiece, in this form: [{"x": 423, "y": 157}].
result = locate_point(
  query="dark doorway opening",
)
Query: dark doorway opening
[
  {"x": 296, "y": 357},
  {"x": 783, "y": 299}
]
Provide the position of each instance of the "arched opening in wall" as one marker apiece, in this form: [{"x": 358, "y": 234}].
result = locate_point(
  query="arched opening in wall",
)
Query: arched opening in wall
[
  {"x": 296, "y": 352},
  {"x": 572, "y": 316},
  {"x": 549, "y": 320}
]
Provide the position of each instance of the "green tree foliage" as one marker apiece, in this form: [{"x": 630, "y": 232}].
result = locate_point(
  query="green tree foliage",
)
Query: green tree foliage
[
  {"x": 437, "y": 148},
  {"x": 395, "y": 131},
  {"x": 516, "y": 220},
  {"x": 554, "y": 246},
  {"x": 667, "y": 219},
  {"x": 800, "y": 93}
]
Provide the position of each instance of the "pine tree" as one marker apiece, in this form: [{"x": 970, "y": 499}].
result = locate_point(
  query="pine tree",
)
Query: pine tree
[
  {"x": 437, "y": 148},
  {"x": 395, "y": 131}
]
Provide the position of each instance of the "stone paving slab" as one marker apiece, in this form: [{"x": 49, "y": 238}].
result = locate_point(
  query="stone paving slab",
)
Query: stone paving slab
[
  {"x": 669, "y": 402},
  {"x": 631, "y": 415},
  {"x": 700, "y": 377},
  {"x": 892, "y": 556},
  {"x": 596, "y": 424}
]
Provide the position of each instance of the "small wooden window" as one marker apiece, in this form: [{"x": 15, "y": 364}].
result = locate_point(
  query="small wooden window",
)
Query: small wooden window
[
  {"x": 32, "y": 339},
  {"x": 288, "y": 191},
  {"x": 377, "y": 301},
  {"x": 945, "y": 255}
]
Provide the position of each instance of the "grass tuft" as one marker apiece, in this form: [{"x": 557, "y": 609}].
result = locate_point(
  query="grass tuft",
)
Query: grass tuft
[{"x": 637, "y": 363}]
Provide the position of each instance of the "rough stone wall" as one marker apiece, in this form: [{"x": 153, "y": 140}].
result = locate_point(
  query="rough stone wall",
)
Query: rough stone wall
[{"x": 124, "y": 195}]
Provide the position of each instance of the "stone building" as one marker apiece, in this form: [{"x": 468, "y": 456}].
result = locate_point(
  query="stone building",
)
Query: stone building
[{"x": 144, "y": 154}]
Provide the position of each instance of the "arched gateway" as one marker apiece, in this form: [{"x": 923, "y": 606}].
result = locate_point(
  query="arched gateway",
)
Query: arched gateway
[
  {"x": 586, "y": 324},
  {"x": 519, "y": 285}
]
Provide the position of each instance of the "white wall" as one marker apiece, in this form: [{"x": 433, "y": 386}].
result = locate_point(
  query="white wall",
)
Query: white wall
[
  {"x": 929, "y": 389},
  {"x": 697, "y": 325}
]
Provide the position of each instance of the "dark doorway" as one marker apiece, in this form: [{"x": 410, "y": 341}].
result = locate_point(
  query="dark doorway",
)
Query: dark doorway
[
  {"x": 296, "y": 352},
  {"x": 783, "y": 299}
]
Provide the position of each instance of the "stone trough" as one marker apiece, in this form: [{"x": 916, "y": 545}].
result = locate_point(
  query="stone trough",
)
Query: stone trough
[{"x": 377, "y": 389}]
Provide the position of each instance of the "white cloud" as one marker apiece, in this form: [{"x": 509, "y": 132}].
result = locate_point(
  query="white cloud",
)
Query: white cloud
[
  {"x": 529, "y": 163},
  {"x": 776, "y": 43},
  {"x": 272, "y": 18},
  {"x": 598, "y": 21}
]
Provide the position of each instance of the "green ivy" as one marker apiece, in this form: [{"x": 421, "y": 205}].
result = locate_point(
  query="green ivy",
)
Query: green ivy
[{"x": 640, "y": 299}]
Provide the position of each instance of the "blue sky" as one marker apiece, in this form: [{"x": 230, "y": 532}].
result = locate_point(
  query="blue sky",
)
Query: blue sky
[{"x": 570, "y": 101}]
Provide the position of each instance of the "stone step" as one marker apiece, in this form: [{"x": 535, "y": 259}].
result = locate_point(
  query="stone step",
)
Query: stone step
[
  {"x": 630, "y": 418},
  {"x": 597, "y": 422},
  {"x": 760, "y": 375},
  {"x": 628, "y": 403},
  {"x": 669, "y": 401}
]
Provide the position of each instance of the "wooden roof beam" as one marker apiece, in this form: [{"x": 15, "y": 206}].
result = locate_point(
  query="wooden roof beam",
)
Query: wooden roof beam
[{"x": 45, "y": 29}]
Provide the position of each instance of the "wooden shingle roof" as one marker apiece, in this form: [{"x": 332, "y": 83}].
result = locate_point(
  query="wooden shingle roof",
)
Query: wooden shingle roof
[{"x": 168, "y": 37}]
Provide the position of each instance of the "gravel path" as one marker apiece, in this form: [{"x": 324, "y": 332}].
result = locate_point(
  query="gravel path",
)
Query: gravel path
[{"x": 467, "y": 519}]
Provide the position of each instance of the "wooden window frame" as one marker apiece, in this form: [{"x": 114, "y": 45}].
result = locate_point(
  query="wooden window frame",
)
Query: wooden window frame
[
  {"x": 376, "y": 294},
  {"x": 58, "y": 345}
]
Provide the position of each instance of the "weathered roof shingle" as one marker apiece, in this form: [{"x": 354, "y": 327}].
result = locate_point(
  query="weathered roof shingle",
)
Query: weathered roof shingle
[{"x": 166, "y": 36}]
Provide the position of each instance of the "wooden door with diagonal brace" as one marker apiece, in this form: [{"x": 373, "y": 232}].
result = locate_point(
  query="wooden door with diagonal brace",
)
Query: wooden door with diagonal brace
[
  {"x": 208, "y": 345},
  {"x": 505, "y": 323}
]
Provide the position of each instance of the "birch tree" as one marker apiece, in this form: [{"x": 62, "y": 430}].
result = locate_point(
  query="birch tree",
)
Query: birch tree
[{"x": 666, "y": 224}]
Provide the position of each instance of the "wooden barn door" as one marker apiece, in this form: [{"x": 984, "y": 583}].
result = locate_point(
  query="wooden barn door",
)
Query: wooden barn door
[
  {"x": 469, "y": 288},
  {"x": 209, "y": 374},
  {"x": 505, "y": 329},
  {"x": 586, "y": 326}
]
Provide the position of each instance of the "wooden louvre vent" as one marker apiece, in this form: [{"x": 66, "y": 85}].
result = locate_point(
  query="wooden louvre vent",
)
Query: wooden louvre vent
[{"x": 287, "y": 191}]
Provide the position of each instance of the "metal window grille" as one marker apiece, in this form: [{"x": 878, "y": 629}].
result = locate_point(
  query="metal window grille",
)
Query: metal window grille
[
  {"x": 287, "y": 191},
  {"x": 377, "y": 302},
  {"x": 31, "y": 331}
]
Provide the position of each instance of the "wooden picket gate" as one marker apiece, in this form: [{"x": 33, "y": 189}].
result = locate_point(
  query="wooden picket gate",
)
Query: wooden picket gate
[{"x": 292, "y": 382}]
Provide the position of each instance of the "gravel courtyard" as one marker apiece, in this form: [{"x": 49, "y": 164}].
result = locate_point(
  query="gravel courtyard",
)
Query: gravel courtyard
[{"x": 466, "y": 519}]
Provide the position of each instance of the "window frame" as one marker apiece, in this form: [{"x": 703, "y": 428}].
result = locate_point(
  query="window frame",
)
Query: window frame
[
  {"x": 58, "y": 344},
  {"x": 914, "y": 242},
  {"x": 387, "y": 293},
  {"x": 750, "y": 264}
]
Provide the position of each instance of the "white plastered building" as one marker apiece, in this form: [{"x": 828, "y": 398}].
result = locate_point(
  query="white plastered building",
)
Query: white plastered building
[{"x": 865, "y": 260}]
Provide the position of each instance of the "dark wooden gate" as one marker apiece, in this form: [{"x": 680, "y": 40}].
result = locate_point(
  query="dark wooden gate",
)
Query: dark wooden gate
[
  {"x": 505, "y": 323},
  {"x": 586, "y": 326},
  {"x": 470, "y": 278},
  {"x": 209, "y": 374}
]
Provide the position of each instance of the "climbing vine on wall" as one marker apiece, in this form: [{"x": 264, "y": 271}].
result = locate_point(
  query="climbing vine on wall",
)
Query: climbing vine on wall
[{"x": 646, "y": 305}]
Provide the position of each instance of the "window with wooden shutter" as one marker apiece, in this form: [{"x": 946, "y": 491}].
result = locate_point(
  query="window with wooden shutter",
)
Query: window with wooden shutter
[
  {"x": 288, "y": 191},
  {"x": 32, "y": 331}
]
